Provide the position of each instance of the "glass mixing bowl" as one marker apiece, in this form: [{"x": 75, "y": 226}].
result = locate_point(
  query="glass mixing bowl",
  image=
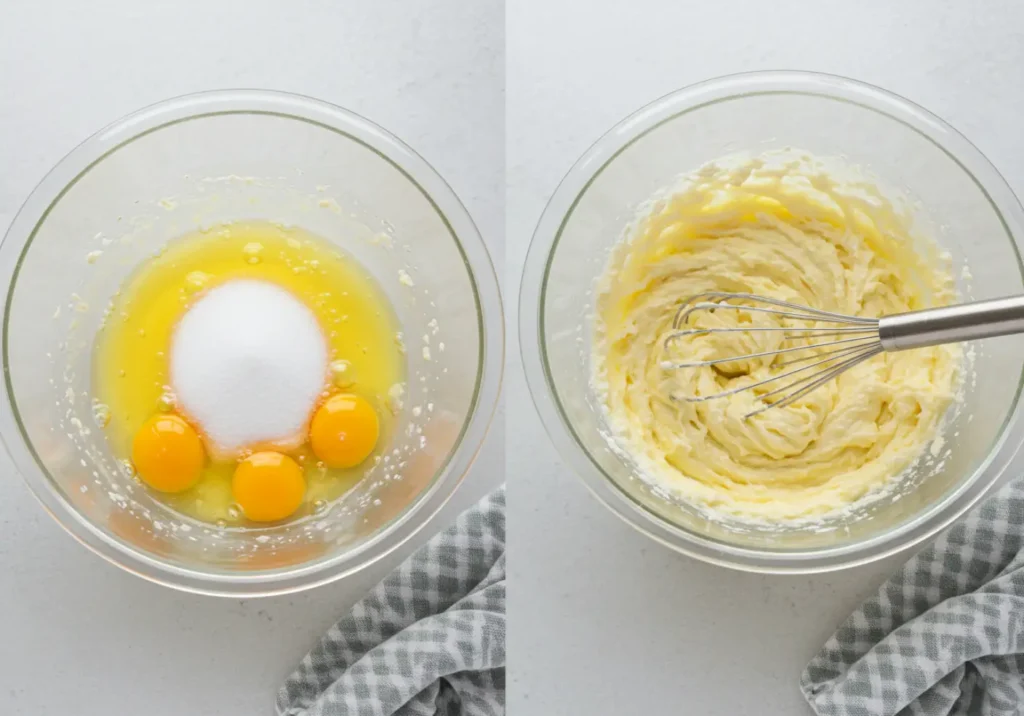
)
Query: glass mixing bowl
[
  {"x": 191, "y": 163},
  {"x": 956, "y": 196}
]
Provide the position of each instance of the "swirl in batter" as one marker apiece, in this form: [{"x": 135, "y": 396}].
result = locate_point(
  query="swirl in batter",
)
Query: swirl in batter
[{"x": 782, "y": 228}]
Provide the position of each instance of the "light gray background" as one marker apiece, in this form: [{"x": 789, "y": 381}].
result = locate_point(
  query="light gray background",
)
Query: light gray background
[
  {"x": 605, "y": 622},
  {"x": 78, "y": 636}
]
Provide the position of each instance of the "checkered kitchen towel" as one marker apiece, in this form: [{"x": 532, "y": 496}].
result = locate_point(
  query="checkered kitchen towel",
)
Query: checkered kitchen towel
[
  {"x": 428, "y": 640},
  {"x": 945, "y": 634}
]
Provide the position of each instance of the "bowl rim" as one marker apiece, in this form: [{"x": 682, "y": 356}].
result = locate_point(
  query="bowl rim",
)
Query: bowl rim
[
  {"x": 479, "y": 266},
  {"x": 558, "y": 212}
]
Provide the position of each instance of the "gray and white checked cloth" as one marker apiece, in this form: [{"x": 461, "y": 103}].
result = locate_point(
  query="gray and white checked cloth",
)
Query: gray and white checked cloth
[
  {"x": 945, "y": 634},
  {"x": 427, "y": 641}
]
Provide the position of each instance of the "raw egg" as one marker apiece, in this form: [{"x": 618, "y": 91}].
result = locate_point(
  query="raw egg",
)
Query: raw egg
[
  {"x": 133, "y": 351},
  {"x": 344, "y": 430},
  {"x": 168, "y": 454},
  {"x": 268, "y": 486}
]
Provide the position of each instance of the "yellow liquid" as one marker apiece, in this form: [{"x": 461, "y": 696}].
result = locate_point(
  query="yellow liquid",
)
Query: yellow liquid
[{"x": 131, "y": 365}]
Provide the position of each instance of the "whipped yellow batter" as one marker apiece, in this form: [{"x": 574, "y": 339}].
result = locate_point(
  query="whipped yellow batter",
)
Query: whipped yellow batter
[{"x": 781, "y": 227}]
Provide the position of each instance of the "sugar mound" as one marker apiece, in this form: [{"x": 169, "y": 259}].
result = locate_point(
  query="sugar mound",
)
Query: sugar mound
[{"x": 248, "y": 362}]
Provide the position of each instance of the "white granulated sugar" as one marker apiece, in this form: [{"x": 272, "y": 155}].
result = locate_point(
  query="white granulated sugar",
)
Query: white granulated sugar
[{"x": 248, "y": 362}]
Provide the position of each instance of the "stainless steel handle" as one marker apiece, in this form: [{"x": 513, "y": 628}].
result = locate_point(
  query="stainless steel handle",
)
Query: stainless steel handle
[{"x": 952, "y": 324}]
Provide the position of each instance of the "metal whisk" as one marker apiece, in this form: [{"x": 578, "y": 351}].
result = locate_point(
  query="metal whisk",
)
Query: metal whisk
[{"x": 851, "y": 339}]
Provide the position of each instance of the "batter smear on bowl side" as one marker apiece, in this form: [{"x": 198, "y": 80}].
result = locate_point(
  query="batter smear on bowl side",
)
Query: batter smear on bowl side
[{"x": 783, "y": 227}]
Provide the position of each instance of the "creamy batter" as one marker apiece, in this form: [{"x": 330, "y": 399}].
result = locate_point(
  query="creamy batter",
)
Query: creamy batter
[{"x": 778, "y": 226}]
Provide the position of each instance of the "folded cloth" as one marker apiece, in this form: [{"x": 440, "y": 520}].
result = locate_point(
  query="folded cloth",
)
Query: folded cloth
[
  {"x": 428, "y": 640},
  {"x": 945, "y": 634}
]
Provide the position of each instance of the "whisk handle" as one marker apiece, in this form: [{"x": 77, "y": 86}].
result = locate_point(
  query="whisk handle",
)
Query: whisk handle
[{"x": 952, "y": 324}]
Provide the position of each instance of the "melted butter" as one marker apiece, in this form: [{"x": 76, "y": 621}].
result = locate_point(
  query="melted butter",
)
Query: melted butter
[{"x": 130, "y": 376}]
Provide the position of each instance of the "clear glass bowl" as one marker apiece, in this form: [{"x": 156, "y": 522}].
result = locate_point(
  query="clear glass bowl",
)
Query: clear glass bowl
[
  {"x": 197, "y": 161},
  {"x": 957, "y": 196}
]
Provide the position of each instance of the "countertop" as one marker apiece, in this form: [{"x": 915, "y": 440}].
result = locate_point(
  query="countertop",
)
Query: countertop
[
  {"x": 603, "y": 620},
  {"x": 77, "y": 635}
]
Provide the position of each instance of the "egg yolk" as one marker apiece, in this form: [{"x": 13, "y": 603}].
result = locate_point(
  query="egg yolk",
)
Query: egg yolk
[
  {"x": 268, "y": 486},
  {"x": 168, "y": 454},
  {"x": 344, "y": 430}
]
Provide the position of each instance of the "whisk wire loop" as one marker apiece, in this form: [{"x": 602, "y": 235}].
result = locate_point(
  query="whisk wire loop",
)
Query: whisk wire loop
[{"x": 856, "y": 339}]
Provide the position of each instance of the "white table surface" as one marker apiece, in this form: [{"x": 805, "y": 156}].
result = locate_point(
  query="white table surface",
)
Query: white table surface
[
  {"x": 603, "y": 621},
  {"x": 77, "y": 635}
]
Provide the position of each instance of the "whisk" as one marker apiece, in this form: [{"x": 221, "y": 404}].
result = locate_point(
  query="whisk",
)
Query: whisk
[{"x": 851, "y": 339}]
